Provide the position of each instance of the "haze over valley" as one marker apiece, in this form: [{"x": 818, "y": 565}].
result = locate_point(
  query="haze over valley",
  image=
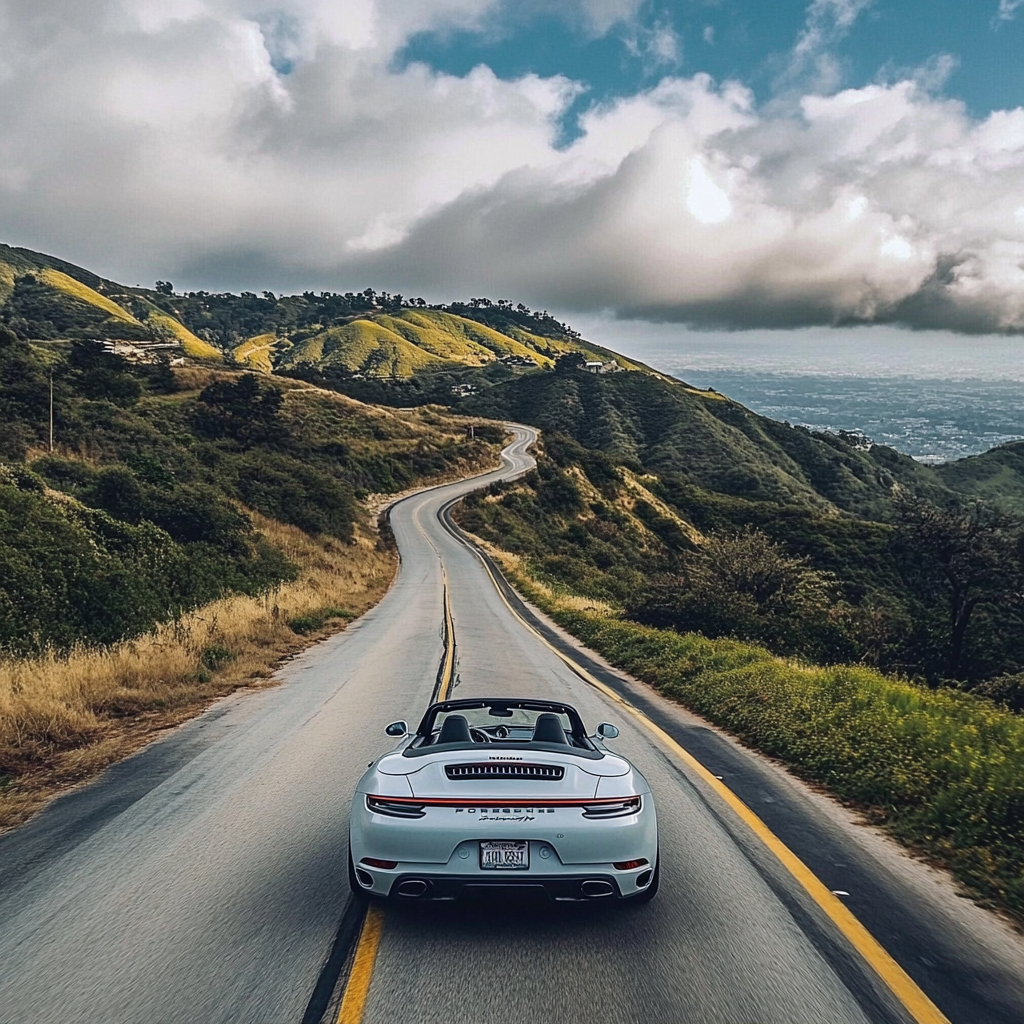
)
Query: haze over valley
[{"x": 929, "y": 394}]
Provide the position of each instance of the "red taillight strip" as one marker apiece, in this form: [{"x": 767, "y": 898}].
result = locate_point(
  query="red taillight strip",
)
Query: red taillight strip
[{"x": 501, "y": 801}]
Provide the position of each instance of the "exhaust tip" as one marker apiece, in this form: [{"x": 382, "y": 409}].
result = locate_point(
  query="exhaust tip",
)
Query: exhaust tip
[
  {"x": 595, "y": 888},
  {"x": 412, "y": 888}
]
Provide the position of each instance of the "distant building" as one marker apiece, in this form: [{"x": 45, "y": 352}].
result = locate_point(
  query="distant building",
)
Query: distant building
[
  {"x": 138, "y": 351},
  {"x": 596, "y": 366},
  {"x": 464, "y": 389}
]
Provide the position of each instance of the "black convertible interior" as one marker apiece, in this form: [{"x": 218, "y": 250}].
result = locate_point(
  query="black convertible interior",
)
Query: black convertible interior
[{"x": 519, "y": 723}]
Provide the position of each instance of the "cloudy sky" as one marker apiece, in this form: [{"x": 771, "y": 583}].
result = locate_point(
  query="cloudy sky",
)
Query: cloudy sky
[{"x": 706, "y": 162}]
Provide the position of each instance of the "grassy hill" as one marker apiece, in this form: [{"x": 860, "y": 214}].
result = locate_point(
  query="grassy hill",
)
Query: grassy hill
[
  {"x": 142, "y": 510},
  {"x": 363, "y": 346},
  {"x": 43, "y": 298},
  {"x": 681, "y": 507},
  {"x": 366, "y": 333},
  {"x": 996, "y": 475},
  {"x": 257, "y": 353},
  {"x": 404, "y": 342},
  {"x": 703, "y": 439}
]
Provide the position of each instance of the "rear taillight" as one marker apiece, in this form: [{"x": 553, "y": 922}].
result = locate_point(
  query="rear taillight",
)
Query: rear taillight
[
  {"x": 373, "y": 862},
  {"x": 612, "y": 808},
  {"x": 629, "y": 865},
  {"x": 394, "y": 808}
]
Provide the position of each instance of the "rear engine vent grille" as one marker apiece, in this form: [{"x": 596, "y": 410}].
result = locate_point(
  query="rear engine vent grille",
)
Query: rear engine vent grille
[{"x": 504, "y": 770}]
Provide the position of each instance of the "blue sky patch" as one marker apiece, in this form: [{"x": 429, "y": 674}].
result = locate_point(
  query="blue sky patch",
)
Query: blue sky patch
[{"x": 752, "y": 41}]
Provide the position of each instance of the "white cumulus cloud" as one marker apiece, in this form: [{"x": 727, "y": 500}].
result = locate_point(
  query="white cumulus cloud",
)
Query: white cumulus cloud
[
  {"x": 223, "y": 144},
  {"x": 1008, "y": 9}
]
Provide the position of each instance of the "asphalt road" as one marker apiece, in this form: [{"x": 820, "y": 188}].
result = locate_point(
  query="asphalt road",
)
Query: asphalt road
[{"x": 204, "y": 879}]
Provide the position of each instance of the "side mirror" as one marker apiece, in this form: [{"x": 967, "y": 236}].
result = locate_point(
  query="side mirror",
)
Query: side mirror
[
  {"x": 397, "y": 729},
  {"x": 606, "y": 731}
]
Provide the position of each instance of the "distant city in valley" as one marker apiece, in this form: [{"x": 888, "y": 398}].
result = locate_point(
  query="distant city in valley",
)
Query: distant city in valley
[
  {"x": 929, "y": 396},
  {"x": 933, "y": 420}
]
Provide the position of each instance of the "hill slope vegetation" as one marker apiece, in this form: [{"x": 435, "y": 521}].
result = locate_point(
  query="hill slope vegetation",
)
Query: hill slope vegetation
[
  {"x": 142, "y": 509},
  {"x": 684, "y": 509},
  {"x": 366, "y": 333}
]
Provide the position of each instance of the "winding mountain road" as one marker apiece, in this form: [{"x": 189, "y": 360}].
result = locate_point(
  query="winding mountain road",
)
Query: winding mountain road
[{"x": 204, "y": 879}]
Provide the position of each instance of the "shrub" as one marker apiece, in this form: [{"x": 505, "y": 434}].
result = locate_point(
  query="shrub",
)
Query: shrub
[
  {"x": 316, "y": 619},
  {"x": 1007, "y": 690}
]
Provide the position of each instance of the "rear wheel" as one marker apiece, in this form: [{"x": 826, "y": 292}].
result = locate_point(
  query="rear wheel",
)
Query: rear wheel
[{"x": 648, "y": 894}]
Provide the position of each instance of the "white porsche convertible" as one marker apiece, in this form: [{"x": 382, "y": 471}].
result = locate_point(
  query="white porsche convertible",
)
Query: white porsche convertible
[{"x": 495, "y": 793}]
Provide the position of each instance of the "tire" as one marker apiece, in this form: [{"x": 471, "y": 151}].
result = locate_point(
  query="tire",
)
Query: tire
[{"x": 648, "y": 894}]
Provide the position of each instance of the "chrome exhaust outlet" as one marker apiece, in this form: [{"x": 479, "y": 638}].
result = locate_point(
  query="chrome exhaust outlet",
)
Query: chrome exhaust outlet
[
  {"x": 412, "y": 888},
  {"x": 595, "y": 888}
]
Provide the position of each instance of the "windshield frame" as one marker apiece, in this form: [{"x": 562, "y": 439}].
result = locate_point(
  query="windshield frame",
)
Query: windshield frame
[{"x": 421, "y": 744}]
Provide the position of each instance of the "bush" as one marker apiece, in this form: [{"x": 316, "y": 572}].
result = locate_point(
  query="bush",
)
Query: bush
[
  {"x": 285, "y": 489},
  {"x": 70, "y": 573},
  {"x": 316, "y": 620},
  {"x": 1007, "y": 690}
]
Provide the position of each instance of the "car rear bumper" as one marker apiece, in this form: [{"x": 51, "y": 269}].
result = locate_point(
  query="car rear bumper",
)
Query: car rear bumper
[
  {"x": 462, "y": 877},
  {"x": 413, "y": 886}
]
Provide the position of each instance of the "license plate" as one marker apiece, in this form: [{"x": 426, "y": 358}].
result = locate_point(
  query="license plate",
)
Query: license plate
[{"x": 505, "y": 855}]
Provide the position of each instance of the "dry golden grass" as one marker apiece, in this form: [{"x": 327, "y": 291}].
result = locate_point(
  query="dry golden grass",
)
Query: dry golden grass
[
  {"x": 195, "y": 378},
  {"x": 257, "y": 352},
  {"x": 63, "y": 719}
]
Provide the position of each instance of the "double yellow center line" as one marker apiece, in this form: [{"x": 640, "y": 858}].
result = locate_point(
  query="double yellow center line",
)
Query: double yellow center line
[
  {"x": 447, "y": 677},
  {"x": 357, "y": 987}
]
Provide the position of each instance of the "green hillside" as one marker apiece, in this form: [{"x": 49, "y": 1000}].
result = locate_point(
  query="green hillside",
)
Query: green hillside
[
  {"x": 368, "y": 334},
  {"x": 996, "y": 475},
  {"x": 142, "y": 509},
  {"x": 703, "y": 439},
  {"x": 681, "y": 508},
  {"x": 403, "y": 342},
  {"x": 362, "y": 346},
  {"x": 46, "y": 299}
]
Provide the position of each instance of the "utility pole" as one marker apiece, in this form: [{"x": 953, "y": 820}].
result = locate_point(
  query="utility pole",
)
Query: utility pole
[{"x": 51, "y": 410}]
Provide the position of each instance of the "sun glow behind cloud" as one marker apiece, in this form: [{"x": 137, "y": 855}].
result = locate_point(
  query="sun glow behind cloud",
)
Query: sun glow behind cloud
[{"x": 704, "y": 199}]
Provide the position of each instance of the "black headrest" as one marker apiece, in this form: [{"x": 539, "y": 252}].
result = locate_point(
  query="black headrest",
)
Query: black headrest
[
  {"x": 455, "y": 730},
  {"x": 549, "y": 729}
]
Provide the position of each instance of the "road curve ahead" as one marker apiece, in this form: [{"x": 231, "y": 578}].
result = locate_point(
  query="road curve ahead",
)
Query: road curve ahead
[{"x": 204, "y": 880}]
